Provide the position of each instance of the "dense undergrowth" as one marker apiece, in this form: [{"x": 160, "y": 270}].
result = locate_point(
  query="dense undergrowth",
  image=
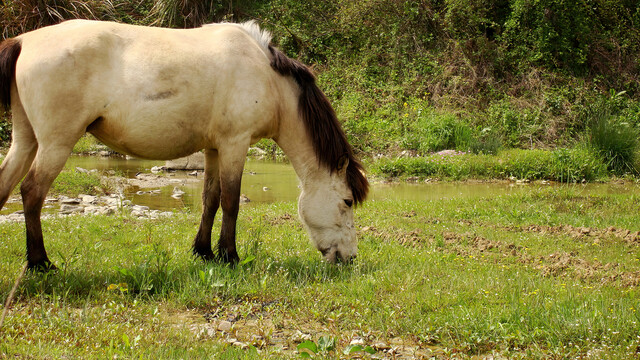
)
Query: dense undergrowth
[{"x": 423, "y": 76}]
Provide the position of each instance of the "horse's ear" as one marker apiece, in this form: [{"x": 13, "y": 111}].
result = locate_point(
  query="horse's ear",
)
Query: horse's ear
[{"x": 343, "y": 163}]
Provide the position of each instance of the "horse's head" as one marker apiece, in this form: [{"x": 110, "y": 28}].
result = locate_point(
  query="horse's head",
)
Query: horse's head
[{"x": 326, "y": 209}]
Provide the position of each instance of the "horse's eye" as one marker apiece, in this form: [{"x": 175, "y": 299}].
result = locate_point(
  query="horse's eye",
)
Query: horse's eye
[{"x": 349, "y": 202}]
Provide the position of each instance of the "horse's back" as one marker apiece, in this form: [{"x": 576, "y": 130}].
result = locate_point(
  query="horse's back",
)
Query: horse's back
[{"x": 140, "y": 88}]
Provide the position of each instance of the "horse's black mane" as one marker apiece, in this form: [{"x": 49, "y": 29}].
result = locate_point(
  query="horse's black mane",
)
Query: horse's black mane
[{"x": 329, "y": 140}]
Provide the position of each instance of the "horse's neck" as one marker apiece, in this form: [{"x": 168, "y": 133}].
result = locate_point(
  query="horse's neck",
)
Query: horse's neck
[{"x": 295, "y": 142}]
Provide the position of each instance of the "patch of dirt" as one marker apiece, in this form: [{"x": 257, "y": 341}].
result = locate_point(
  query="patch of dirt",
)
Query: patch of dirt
[
  {"x": 280, "y": 219},
  {"x": 631, "y": 238},
  {"x": 413, "y": 238},
  {"x": 265, "y": 325}
]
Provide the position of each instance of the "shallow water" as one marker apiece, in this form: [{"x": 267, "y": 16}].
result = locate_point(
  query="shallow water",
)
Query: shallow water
[{"x": 269, "y": 181}]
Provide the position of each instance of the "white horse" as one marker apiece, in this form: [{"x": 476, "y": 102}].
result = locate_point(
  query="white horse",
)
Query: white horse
[{"x": 159, "y": 93}]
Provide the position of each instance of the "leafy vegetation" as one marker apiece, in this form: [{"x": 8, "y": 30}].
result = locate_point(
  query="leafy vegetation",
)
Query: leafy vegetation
[
  {"x": 549, "y": 272},
  {"x": 564, "y": 165},
  {"x": 427, "y": 75}
]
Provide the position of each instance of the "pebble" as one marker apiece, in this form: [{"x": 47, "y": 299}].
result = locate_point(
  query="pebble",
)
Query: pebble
[
  {"x": 69, "y": 209},
  {"x": 69, "y": 201},
  {"x": 224, "y": 325},
  {"x": 89, "y": 199}
]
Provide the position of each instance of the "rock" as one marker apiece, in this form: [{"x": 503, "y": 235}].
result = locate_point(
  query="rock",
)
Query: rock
[
  {"x": 140, "y": 208},
  {"x": 192, "y": 162},
  {"x": 157, "y": 169},
  {"x": 224, "y": 325},
  {"x": 193, "y": 173},
  {"x": 137, "y": 213},
  {"x": 81, "y": 170},
  {"x": 244, "y": 199},
  {"x": 88, "y": 199},
  {"x": 240, "y": 344},
  {"x": 106, "y": 211},
  {"x": 104, "y": 153},
  {"x": 381, "y": 346},
  {"x": 69, "y": 201},
  {"x": 92, "y": 209},
  {"x": 70, "y": 209}
]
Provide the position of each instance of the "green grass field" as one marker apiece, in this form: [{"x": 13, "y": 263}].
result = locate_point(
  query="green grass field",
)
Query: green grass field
[{"x": 547, "y": 274}]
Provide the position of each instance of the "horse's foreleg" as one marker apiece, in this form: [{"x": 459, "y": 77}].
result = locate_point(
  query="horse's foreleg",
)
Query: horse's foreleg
[
  {"x": 231, "y": 166},
  {"x": 210, "y": 204},
  {"x": 34, "y": 188}
]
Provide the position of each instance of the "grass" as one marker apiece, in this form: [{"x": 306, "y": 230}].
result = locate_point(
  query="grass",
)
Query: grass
[
  {"x": 88, "y": 144},
  {"x": 563, "y": 165},
  {"x": 616, "y": 140},
  {"x": 550, "y": 273}
]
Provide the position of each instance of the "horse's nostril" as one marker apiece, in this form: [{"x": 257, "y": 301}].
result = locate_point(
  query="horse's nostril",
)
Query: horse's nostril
[{"x": 345, "y": 259}]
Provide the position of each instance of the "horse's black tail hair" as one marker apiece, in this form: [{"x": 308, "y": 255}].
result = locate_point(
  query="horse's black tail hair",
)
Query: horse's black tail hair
[
  {"x": 329, "y": 140},
  {"x": 9, "y": 52}
]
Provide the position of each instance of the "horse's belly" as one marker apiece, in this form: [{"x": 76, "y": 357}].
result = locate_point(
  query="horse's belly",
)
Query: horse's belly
[{"x": 161, "y": 142}]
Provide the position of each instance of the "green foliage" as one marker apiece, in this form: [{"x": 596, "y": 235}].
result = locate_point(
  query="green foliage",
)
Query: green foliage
[
  {"x": 73, "y": 182},
  {"x": 616, "y": 140},
  {"x": 525, "y": 70},
  {"x": 87, "y": 143},
  {"x": 554, "y": 33},
  {"x": 5, "y": 129},
  {"x": 562, "y": 165}
]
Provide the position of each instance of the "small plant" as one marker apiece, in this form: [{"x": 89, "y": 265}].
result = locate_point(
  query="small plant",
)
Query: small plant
[{"x": 308, "y": 348}]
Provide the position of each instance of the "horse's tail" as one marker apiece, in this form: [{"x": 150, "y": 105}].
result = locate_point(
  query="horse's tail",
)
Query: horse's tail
[
  {"x": 9, "y": 52},
  {"x": 329, "y": 140}
]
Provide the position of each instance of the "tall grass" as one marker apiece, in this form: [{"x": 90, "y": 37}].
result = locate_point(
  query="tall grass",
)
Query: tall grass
[
  {"x": 26, "y": 15},
  {"x": 184, "y": 13},
  {"x": 616, "y": 140},
  {"x": 563, "y": 165}
]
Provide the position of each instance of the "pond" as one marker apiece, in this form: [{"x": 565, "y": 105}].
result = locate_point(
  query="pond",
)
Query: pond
[{"x": 271, "y": 181}]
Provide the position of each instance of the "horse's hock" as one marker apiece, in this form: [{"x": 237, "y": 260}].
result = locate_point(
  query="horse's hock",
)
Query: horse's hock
[{"x": 194, "y": 161}]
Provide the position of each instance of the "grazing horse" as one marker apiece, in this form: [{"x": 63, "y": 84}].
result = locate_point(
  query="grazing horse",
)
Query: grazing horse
[{"x": 158, "y": 93}]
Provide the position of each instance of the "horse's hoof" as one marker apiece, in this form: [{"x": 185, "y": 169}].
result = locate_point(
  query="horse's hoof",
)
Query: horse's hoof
[
  {"x": 42, "y": 267},
  {"x": 231, "y": 259},
  {"x": 205, "y": 254}
]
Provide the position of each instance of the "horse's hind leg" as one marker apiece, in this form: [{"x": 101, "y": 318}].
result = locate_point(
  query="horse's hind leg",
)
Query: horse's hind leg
[
  {"x": 210, "y": 204},
  {"x": 20, "y": 155}
]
